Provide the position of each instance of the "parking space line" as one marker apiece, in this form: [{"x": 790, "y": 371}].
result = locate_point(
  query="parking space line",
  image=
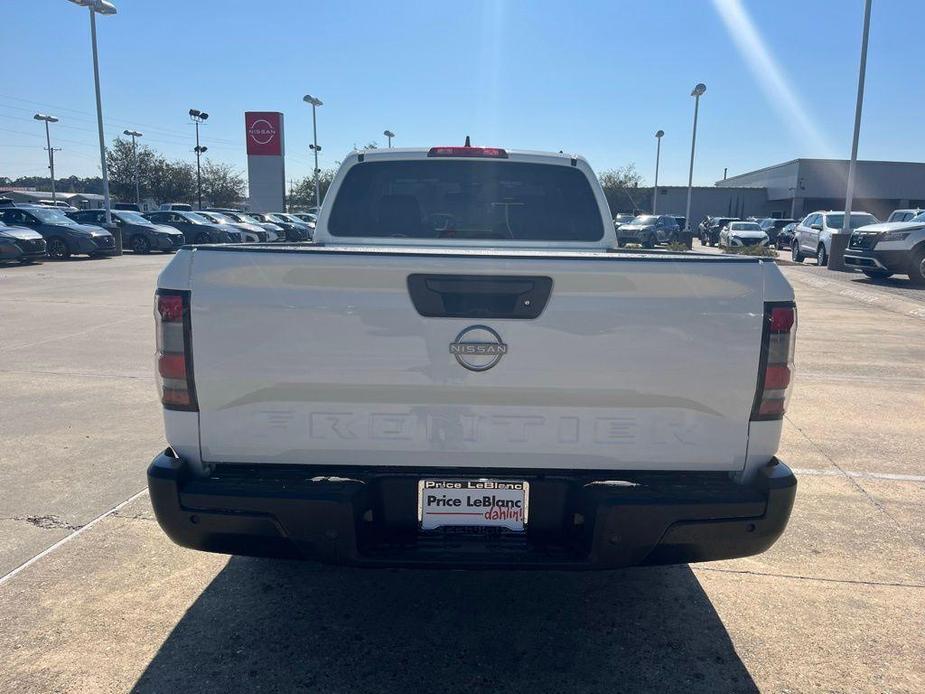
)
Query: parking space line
[
  {"x": 25, "y": 565},
  {"x": 834, "y": 472},
  {"x": 823, "y": 579},
  {"x": 865, "y": 294},
  {"x": 68, "y": 336}
]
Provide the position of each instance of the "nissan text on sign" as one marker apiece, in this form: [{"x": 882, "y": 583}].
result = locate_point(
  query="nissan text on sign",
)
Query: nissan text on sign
[{"x": 266, "y": 173}]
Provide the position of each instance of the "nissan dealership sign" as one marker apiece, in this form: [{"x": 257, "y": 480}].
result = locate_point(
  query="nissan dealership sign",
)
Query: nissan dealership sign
[
  {"x": 264, "y": 133},
  {"x": 266, "y": 173}
]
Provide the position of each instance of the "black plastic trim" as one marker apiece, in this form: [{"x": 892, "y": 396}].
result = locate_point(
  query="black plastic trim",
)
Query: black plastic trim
[
  {"x": 479, "y": 296},
  {"x": 366, "y": 516},
  {"x": 895, "y": 260}
]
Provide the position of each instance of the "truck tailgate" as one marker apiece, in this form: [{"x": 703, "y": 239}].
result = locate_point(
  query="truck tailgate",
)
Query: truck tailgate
[{"x": 315, "y": 356}]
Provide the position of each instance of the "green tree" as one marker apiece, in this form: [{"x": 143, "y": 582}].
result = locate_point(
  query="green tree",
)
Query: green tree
[
  {"x": 172, "y": 181},
  {"x": 303, "y": 191},
  {"x": 222, "y": 184},
  {"x": 620, "y": 186},
  {"x": 120, "y": 163}
]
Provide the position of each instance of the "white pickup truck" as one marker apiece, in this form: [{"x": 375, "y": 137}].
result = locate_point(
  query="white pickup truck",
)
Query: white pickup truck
[{"x": 462, "y": 370}]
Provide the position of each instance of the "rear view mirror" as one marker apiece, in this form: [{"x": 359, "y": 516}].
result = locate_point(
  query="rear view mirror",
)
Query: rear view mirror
[{"x": 816, "y": 227}]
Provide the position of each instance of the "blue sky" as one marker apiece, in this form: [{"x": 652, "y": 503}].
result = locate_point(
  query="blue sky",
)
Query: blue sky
[{"x": 596, "y": 78}]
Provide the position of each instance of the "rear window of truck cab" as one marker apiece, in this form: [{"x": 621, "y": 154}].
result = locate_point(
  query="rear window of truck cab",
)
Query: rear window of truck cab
[{"x": 451, "y": 199}]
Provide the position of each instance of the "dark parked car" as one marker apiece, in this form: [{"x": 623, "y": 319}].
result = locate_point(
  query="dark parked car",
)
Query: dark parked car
[
  {"x": 648, "y": 230},
  {"x": 785, "y": 236},
  {"x": 20, "y": 244},
  {"x": 294, "y": 232},
  {"x": 138, "y": 233},
  {"x": 709, "y": 233},
  {"x": 306, "y": 217},
  {"x": 130, "y": 206},
  {"x": 772, "y": 226},
  {"x": 296, "y": 219},
  {"x": 274, "y": 231},
  {"x": 195, "y": 227},
  {"x": 64, "y": 237}
]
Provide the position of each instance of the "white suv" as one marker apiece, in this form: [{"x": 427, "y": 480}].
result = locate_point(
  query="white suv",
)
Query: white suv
[
  {"x": 813, "y": 236},
  {"x": 904, "y": 215},
  {"x": 882, "y": 250}
]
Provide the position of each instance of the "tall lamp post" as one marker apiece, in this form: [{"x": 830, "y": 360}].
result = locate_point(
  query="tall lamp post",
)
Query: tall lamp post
[
  {"x": 133, "y": 134},
  {"x": 198, "y": 117},
  {"x": 389, "y": 134},
  {"x": 837, "y": 254},
  {"x": 658, "y": 154},
  {"x": 51, "y": 152},
  {"x": 697, "y": 92},
  {"x": 309, "y": 99},
  {"x": 103, "y": 7}
]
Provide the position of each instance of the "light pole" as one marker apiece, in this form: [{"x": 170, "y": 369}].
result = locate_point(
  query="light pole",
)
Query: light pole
[
  {"x": 133, "y": 134},
  {"x": 51, "y": 152},
  {"x": 389, "y": 134},
  {"x": 106, "y": 8},
  {"x": 658, "y": 153},
  {"x": 697, "y": 92},
  {"x": 198, "y": 117},
  {"x": 836, "y": 256},
  {"x": 309, "y": 99}
]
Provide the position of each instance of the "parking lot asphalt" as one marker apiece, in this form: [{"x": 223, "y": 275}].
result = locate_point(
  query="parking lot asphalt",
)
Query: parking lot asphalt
[{"x": 837, "y": 604}]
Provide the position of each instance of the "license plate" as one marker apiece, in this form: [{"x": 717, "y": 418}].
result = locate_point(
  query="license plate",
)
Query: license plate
[{"x": 473, "y": 503}]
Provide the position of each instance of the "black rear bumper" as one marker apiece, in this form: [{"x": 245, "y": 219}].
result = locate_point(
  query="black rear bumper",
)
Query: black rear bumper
[{"x": 368, "y": 516}]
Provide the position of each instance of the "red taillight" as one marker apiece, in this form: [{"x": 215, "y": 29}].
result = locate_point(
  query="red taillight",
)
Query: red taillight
[
  {"x": 170, "y": 307},
  {"x": 175, "y": 398},
  {"x": 485, "y": 152},
  {"x": 771, "y": 409},
  {"x": 174, "y": 354},
  {"x": 776, "y": 377},
  {"x": 782, "y": 318},
  {"x": 172, "y": 365},
  {"x": 776, "y": 366}
]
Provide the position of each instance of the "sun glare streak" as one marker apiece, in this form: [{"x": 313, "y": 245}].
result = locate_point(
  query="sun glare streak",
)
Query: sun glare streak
[
  {"x": 775, "y": 85},
  {"x": 491, "y": 41}
]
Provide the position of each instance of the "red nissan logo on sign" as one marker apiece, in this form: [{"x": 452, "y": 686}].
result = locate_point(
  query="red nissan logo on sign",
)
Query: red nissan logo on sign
[{"x": 264, "y": 133}]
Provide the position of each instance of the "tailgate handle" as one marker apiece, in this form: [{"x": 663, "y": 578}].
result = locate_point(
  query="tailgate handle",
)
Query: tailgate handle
[{"x": 479, "y": 296}]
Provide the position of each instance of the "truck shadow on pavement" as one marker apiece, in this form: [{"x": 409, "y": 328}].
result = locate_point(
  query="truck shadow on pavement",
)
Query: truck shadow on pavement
[{"x": 290, "y": 626}]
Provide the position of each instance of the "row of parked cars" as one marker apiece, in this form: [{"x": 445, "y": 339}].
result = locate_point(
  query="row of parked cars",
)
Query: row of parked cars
[
  {"x": 32, "y": 231},
  {"x": 879, "y": 250}
]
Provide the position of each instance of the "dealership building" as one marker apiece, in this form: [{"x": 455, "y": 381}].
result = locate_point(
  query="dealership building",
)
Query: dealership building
[{"x": 794, "y": 189}]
